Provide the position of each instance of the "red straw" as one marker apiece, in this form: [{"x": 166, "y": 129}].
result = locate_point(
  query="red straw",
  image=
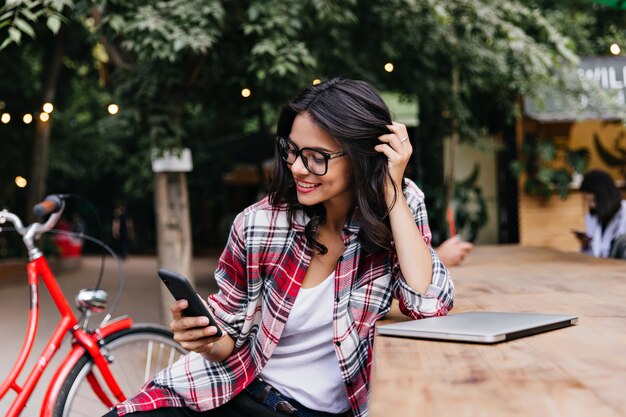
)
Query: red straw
[{"x": 451, "y": 222}]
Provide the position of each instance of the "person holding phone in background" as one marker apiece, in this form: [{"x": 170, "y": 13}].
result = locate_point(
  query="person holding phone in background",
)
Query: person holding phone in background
[
  {"x": 308, "y": 271},
  {"x": 605, "y": 220}
]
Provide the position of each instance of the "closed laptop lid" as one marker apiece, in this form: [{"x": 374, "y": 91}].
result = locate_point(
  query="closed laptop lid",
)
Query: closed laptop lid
[{"x": 478, "y": 326}]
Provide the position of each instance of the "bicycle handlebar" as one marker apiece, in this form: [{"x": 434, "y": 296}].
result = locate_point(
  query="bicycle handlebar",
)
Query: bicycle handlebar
[
  {"x": 54, "y": 205},
  {"x": 50, "y": 204},
  {"x": 6, "y": 215}
]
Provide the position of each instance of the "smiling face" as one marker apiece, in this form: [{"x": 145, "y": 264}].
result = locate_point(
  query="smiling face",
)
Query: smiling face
[{"x": 332, "y": 189}]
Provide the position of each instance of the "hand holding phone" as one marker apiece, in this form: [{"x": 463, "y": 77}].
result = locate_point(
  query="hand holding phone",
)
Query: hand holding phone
[
  {"x": 181, "y": 289},
  {"x": 583, "y": 238},
  {"x": 581, "y": 235}
]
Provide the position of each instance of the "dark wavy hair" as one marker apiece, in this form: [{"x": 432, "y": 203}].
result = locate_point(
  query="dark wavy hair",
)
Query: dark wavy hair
[
  {"x": 607, "y": 195},
  {"x": 355, "y": 115}
]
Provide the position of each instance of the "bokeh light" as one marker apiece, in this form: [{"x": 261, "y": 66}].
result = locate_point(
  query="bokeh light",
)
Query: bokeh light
[
  {"x": 21, "y": 182},
  {"x": 113, "y": 109}
]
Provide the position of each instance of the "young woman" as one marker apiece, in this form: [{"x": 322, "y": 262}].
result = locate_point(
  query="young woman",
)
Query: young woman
[
  {"x": 309, "y": 270},
  {"x": 605, "y": 221}
]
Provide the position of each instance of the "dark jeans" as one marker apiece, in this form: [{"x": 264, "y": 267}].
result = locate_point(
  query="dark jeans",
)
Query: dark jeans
[
  {"x": 243, "y": 405},
  {"x": 258, "y": 400}
]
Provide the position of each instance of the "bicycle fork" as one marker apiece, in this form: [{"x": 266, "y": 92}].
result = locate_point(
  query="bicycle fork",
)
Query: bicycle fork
[{"x": 88, "y": 342}]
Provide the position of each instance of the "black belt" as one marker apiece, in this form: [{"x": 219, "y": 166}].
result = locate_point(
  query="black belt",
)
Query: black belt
[{"x": 273, "y": 399}]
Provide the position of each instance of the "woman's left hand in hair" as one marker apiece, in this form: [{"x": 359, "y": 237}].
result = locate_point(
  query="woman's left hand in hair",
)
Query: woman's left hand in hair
[
  {"x": 398, "y": 151},
  {"x": 413, "y": 253}
]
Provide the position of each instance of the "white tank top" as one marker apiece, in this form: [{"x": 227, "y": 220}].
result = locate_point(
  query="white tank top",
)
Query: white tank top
[{"x": 304, "y": 365}]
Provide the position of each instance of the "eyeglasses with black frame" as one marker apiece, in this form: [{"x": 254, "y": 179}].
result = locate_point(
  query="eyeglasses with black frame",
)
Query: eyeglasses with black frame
[{"x": 314, "y": 160}]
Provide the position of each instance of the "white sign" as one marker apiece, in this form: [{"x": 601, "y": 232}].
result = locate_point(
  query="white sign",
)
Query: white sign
[
  {"x": 609, "y": 73},
  {"x": 172, "y": 161}
]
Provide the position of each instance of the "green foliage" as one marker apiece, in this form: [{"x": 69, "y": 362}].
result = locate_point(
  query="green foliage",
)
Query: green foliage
[
  {"x": 278, "y": 51},
  {"x": 502, "y": 49},
  {"x": 164, "y": 30},
  {"x": 592, "y": 28},
  {"x": 20, "y": 17},
  {"x": 548, "y": 168}
]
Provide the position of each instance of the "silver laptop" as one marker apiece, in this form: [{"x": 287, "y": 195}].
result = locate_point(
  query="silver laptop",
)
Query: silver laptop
[{"x": 478, "y": 326}]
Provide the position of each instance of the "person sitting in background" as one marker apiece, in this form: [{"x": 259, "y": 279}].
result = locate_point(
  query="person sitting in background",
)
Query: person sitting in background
[
  {"x": 454, "y": 250},
  {"x": 123, "y": 231},
  {"x": 605, "y": 221}
]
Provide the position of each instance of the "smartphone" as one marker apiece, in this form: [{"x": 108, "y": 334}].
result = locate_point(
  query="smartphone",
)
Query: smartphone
[{"x": 181, "y": 289}]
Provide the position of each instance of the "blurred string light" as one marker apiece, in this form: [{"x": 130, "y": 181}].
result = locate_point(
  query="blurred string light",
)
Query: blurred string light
[
  {"x": 48, "y": 108},
  {"x": 389, "y": 67},
  {"x": 21, "y": 181},
  {"x": 615, "y": 49},
  {"x": 245, "y": 93},
  {"x": 316, "y": 81},
  {"x": 113, "y": 109}
]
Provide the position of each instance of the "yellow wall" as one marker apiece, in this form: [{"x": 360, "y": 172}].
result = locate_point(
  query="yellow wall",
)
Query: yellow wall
[
  {"x": 549, "y": 222},
  {"x": 581, "y": 135}
]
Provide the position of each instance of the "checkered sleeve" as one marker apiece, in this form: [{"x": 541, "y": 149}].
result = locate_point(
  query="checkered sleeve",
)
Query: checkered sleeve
[
  {"x": 229, "y": 303},
  {"x": 438, "y": 299}
]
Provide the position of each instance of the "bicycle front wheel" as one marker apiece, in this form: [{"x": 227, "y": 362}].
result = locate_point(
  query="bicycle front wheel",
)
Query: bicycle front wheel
[{"x": 137, "y": 354}]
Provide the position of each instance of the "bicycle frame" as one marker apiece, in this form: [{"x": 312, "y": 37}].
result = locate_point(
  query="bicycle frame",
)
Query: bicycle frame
[{"x": 83, "y": 341}]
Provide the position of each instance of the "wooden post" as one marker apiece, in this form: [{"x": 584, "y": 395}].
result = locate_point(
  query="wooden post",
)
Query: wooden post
[{"x": 174, "y": 244}]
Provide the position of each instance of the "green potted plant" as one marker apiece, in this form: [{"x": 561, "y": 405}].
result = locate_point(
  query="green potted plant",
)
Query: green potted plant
[{"x": 547, "y": 168}]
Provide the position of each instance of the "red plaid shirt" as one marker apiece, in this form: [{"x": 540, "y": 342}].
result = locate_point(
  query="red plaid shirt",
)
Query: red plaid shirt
[{"x": 259, "y": 275}]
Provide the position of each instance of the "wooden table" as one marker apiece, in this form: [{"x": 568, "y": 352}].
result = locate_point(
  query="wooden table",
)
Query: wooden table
[{"x": 575, "y": 371}]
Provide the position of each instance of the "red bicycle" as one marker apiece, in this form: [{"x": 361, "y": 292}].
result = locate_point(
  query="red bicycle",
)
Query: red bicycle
[{"x": 105, "y": 364}]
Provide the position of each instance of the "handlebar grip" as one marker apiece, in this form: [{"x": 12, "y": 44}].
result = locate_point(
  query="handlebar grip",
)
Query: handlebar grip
[{"x": 50, "y": 204}]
